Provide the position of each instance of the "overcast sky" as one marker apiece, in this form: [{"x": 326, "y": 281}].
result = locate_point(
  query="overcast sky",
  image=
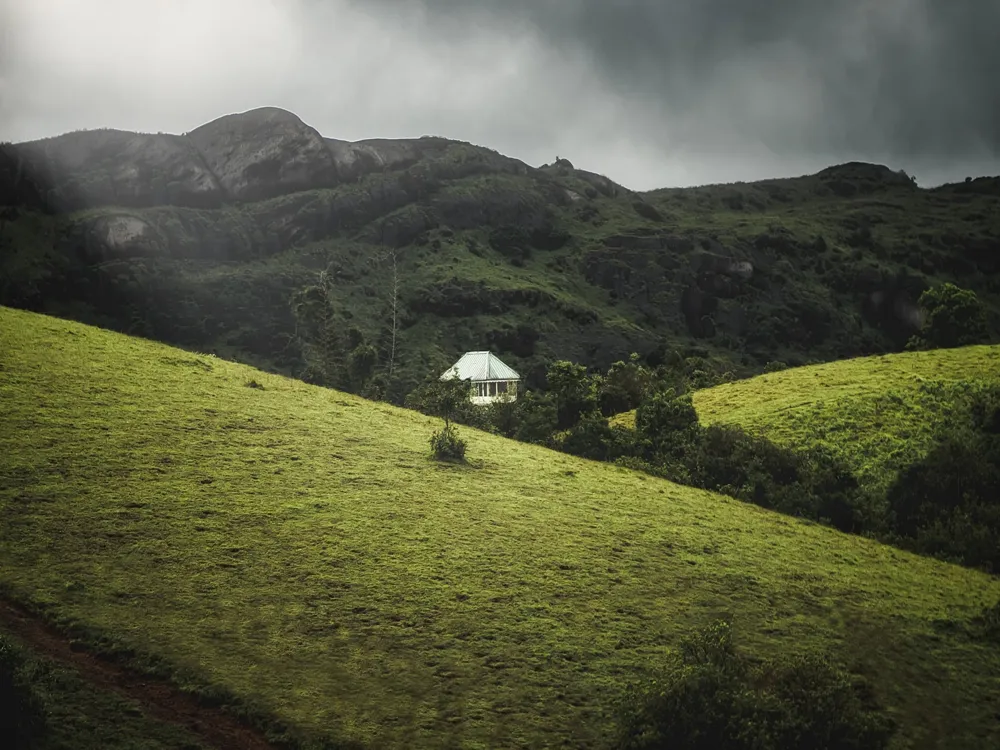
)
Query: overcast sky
[{"x": 651, "y": 93}]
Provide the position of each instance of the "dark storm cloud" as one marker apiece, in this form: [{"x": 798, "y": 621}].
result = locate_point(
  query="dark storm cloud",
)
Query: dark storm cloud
[
  {"x": 901, "y": 77},
  {"x": 650, "y": 92}
]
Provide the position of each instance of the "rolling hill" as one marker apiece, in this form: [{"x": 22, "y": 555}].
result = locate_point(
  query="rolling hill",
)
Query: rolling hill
[
  {"x": 877, "y": 414},
  {"x": 204, "y": 240},
  {"x": 293, "y": 551}
]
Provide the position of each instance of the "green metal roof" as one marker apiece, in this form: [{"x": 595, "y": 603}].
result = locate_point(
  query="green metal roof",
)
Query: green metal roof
[{"x": 477, "y": 366}]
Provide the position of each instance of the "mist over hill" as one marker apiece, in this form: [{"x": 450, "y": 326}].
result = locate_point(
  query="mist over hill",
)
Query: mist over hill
[{"x": 215, "y": 240}]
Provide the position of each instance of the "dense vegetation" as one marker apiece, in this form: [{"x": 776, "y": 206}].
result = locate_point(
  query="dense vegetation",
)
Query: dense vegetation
[
  {"x": 921, "y": 471},
  {"x": 712, "y": 697},
  {"x": 210, "y": 516},
  {"x": 370, "y": 281},
  {"x": 192, "y": 516}
]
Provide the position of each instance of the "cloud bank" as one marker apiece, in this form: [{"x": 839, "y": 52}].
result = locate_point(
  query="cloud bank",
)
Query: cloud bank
[{"x": 650, "y": 92}]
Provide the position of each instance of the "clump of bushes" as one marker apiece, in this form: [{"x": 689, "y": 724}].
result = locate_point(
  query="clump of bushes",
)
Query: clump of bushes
[
  {"x": 948, "y": 503},
  {"x": 447, "y": 445},
  {"x": 22, "y": 715},
  {"x": 952, "y": 317},
  {"x": 671, "y": 443},
  {"x": 712, "y": 697}
]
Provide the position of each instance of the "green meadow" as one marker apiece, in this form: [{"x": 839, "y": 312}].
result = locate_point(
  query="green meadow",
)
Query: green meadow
[
  {"x": 877, "y": 414},
  {"x": 295, "y": 551}
]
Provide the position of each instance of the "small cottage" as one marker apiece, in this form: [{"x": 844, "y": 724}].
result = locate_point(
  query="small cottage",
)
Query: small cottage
[{"x": 490, "y": 377}]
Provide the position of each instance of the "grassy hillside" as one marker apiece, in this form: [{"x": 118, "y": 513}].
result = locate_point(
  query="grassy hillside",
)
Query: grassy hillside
[
  {"x": 878, "y": 414},
  {"x": 296, "y": 547},
  {"x": 535, "y": 264},
  {"x": 80, "y": 717}
]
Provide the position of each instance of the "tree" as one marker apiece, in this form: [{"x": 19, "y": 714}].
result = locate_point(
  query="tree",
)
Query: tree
[
  {"x": 444, "y": 398},
  {"x": 624, "y": 386},
  {"x": 712, "y": 697},
  {"x": 948, "y": 503},
  {"x": 666, "y": 422},
  {"x": 316, "y": 331},
  {"x": 952, "y": 317},
  {"x": 335, "y": 356},
  {"x": 573, "y": 390},
  {"x": 538, "y": 418}
]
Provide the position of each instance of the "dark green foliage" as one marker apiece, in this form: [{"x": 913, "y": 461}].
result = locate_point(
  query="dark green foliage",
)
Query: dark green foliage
[
  {"x": 712, "y": 697},
  {"x": 590, "y": 437},
  {"x": 953, "y": 317},
  {"x": 505, "y": 414},
  {"x": 448, "y": 399},
  {"x": 573, "y": 390},
  {"x": 538, "y": 418},
  {"x": 805, "y": 484},
  {"x": 624, "y": 386},
  {"x": 446, "y": 445},
  {"x": 948, "y": 504},
  {"x": 336, "y": 354},
  {"x": 666, "y": 422},
  {"x": 726, "y": 459},
  {"x": 22, "y": 714}
]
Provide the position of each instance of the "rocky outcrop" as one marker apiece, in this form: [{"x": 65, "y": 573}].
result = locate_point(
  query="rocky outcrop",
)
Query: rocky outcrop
[
  {"x": 245, "y": 157},
  {"x": 264, "y": 153},
  {"x": 118, "y": 168}
]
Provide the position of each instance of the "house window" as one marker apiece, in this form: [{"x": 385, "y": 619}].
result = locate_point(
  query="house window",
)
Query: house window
[
  {"x": 480, "y": 389},
  {"x": 493, "y": 389},
  {"x": 502, "y": 387}
]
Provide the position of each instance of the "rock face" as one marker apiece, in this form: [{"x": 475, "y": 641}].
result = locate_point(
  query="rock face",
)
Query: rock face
[
  {"x": 114, "y": 167},
  {"x": 254, "y": 155},
  {"x": 263, "y": 153}
]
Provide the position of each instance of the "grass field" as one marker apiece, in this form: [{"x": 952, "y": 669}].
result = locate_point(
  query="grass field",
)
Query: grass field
[
  {"x": 877, "y": 414},
  {"x": 82, "y": 718},
  {"x": 297, "y": 548}
]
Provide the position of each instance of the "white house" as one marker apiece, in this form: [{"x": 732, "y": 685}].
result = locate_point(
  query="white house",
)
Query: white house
[{"x": 490, "y": 377}]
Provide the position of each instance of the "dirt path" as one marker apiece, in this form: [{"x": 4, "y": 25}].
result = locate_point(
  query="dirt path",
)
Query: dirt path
[{"x": 157, "y": 698}]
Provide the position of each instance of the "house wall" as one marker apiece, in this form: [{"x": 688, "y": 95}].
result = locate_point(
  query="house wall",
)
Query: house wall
[{"x": 488, "y": 391}]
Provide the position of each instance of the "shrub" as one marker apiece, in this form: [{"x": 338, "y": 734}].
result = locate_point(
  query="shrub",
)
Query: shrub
[
  {"x": 447, "y": 445},
  {"x": 589, "y": 438},
  {"x": 22, "y": 715},
  {"x": 504, "y": 415},
  {"x": 575, "y": 393},
  {"x": 624, "y": 386},
  {"x": 665, "y": 422},
  {"x": 953, "y": 317},
  {"x": 539, "y": 418},
  {"x": 711, "y": 697},
  {"x": 948, "y": 503}
]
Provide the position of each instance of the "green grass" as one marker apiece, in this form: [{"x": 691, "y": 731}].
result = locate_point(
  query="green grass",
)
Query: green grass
[
  {"x": 80, "y": 717},
  {"x": 877, "y": 414},
  {"x": 298, "y": 547}
]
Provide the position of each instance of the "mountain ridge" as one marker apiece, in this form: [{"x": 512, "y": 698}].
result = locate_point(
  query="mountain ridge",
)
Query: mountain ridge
[
  {"x": 473, "y": 249},
  {"x": 266, "y": 132}
]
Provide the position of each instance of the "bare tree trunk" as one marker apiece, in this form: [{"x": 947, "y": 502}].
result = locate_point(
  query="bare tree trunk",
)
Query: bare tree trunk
[{"x": 395, "y": 298}]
